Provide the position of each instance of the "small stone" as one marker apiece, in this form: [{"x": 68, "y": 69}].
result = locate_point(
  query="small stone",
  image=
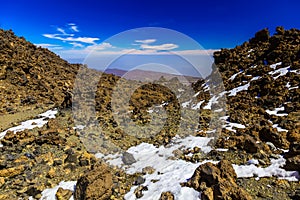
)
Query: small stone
[
  {"x": 51, "y": 173},
  {"x": 63, "y": 194},
  {"x": 72, "y": 158},
  {"x": 128, "y": 158},
  {"x": 262, "y": 162},
  {"x": 139, "y": 191},
  {"x": 2, "y": 181},
  {"x": 83, "y": 162},
  {"x": 57, "y": 162},
  {"x": 11, "y": 172},
  {"x": 29, "y": 155},
  {"x": 70, "y": 151},
  {"x": 166, "y": 196},
  {"x": 139, "y": 180}
]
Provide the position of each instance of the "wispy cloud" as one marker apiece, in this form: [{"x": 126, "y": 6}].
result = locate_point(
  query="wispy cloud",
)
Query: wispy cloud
[
  {"x": 62, "y": 31},
  {"x": 147, "y": 41},
  {"x": 84, "y": 46},
  {"x": 62, "y": 35},
  {"x": 162, "y": 47},
  {"x": 88, "y": 40},
  {"x": 73, "y": 27},
  {"x": 99, "y": 47},
  {"x": 76, "y": 44},
  {"x": 147, "y": 45}
]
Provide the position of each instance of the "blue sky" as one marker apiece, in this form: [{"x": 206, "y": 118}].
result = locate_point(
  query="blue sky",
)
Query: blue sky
[{"x": 65, "y": 26}]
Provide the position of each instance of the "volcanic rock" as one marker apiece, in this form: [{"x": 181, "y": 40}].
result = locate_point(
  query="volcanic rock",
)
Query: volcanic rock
[
  {"x": 63, "y": 194},
  {"x": 95, "y": 184},
  {"x": 217, "y": 181},
  {"x": 166, "y": 196},
  {"x": 128, "y": 158}
]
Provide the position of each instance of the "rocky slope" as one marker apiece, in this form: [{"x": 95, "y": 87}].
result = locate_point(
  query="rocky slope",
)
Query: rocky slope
[
  {"x": 261, "y": 83},
  {"x": 31, "y": 76},
  {"x": 268, "y": 68}
]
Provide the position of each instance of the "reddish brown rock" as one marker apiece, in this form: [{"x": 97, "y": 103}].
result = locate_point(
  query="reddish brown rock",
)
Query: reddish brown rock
[
  {"x": 217, "y": 181},
  {"x": 166, "y": 196},
  {"x": 95, "y": 184},
  {"x": 63, "y": 194}
]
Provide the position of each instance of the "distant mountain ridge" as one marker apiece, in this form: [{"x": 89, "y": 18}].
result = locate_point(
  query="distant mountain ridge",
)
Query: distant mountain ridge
[{"x": 144, "y": 75}]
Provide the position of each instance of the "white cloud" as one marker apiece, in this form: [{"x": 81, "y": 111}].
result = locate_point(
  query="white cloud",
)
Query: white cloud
[
  {"x": 62, "y": 31},
  {"x": 62, "y": 35},
  {"x": 99, "y": 47},
  {"x": 76, "y": 44},
  {"x": 73, "y": 27},
  {"x": 159, "y": 47},
  {"x": 88, "y": 40},
  {"x": 147, "y": 41}
]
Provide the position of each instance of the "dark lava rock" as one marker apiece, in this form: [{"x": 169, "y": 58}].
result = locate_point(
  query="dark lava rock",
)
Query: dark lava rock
[
  {"x": 139, "y": 180},
  {"x": 128, "y": 158},
  {"x": 71, "y": 158}
]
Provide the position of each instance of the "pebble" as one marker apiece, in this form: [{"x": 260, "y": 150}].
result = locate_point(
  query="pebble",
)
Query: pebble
[
  {"x": 128, "y": 158},
  {"x": 139, "y": 180}
]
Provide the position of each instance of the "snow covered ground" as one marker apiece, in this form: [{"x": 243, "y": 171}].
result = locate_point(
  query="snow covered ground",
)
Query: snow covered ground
[
  {"x": 169, "y": 172},
  {"x": 49, "y": 194},
  {"x": 230, "y": 125},
  {"x": 273, "y": 170},
  {"x": 33, "y": 123},
  {"x": 276, "y": 110}
]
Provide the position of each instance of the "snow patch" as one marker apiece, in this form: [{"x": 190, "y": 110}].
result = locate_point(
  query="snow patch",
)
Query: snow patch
[
  {"x": 229, "y": 125},
  {"x": 169, "y": 173},
  {"x": 49, "y": 194},
  {"x": 234, "y": 91},
  {"x": 275, "y": 111},
  {"x": 279, "y": 129},
  {"x": 272, "y": 170},
  {"x": 273, "y": 66},
  {"x": 197, "y": 106},
  {"x": 33, "y": 123},
  {"x": 234, "y": 75},
  {"x": 213, "y": 100},
  {"x": 185, "y": 104},
  {"x": 281, "y": 71}
]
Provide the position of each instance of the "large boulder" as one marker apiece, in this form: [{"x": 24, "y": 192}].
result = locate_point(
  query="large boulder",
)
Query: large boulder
[
  {"x": 217, "y": 181},
  {"x": 95, "y": 184}
]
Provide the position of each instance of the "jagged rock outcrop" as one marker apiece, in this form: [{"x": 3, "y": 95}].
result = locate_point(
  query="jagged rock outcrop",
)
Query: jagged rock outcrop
[
  {"x": 267, "y": 71},
  {"x": 217, "y": 182}
]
